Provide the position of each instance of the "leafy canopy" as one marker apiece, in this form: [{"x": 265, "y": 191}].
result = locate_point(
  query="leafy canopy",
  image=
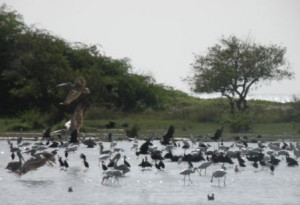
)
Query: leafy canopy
[{"x": 234, "y": 66}]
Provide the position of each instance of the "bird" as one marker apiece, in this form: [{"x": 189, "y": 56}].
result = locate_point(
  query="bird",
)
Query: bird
[
  {"x": 36, "y": 162},
  {"x": 101, "y": 149},
  {"x": 66, "y": 164},
  {"x": 70, "y": 189},
  {"x": 61, "y": 163},
  {"x": 291, "y": 162},
  {"x": 75, "y": 89},
  {"x": 125, "y": 161},
  {"x": 168, "y": 135},
  {"x": 112, "y": 174},
  {"x": 161, "y": 164},
  {"x": 255, "y": 165},
  {"x": 210, "y": 197},
  {"x": 219, "y": 174},
  {"x": 236, "y": 169},
  {"x": 204, "y": 166},
  {"x": 104, "y": 167},
  {"x": 188, "y": 172},
  {"x": 218, "y": 134},
  {"x": 73, "y": 125},
  {"x": 14, "y": 166}
]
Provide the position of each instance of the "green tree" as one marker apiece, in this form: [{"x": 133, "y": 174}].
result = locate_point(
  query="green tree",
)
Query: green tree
[{"x": 234, "y": 66}]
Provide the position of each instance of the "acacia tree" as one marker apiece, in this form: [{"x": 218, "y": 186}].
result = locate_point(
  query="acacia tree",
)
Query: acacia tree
[{"x": 234, "y": 66}]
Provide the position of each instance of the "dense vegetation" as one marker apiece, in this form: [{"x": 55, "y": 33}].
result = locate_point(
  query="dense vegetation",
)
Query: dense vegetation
[{"x": 34, "y": 61}]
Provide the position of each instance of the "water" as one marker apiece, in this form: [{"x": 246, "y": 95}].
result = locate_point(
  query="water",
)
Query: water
[{"x": 49, "y": 185}]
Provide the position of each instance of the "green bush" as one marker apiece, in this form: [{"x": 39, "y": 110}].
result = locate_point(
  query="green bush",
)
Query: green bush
[
  {"x": 34, "y": 119},
  {"x": 239, "y": 122}
]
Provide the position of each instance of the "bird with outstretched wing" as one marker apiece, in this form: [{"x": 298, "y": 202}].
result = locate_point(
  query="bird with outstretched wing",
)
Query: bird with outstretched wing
[{"x": 75, "y": 89}]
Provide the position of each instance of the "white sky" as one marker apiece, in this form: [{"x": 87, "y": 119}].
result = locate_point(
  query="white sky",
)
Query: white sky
[{"x": 160, "y": 36}]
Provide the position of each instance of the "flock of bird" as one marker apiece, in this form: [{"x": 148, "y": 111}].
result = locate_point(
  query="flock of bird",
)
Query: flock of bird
[{"x": 114, "y": 162}]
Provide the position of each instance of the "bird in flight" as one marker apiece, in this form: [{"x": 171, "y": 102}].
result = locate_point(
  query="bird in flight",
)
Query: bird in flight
[{"x": 75, "y": 90}]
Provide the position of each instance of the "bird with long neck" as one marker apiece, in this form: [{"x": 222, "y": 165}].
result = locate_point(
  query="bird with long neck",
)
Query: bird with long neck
[{"x": 14, "y": 166}]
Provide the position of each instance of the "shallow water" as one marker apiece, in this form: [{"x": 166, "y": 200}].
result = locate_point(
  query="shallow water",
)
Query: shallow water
[{"x": 49, "y": 185}]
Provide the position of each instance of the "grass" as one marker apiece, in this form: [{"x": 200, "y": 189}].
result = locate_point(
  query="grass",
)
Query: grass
[{"x": 183, "y": 128}]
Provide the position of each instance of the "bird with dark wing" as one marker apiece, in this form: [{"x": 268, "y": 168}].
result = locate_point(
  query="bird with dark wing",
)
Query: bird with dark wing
[
  {"x": 218, "y": 134},
  {"x": 167, "y": 137},
  {"x": 36, "y": 162},
  {"x": 75, "y": 89}
]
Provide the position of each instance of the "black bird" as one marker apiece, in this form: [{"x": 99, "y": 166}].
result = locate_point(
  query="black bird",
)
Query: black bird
[
  {"x": 144, "y": 148},
  {"x": 74, "y": 137},
  {"x": 157, "y": 166},
  {"x": 272, "y": 168},
  {"x": 104, "y": 167},
  {"x": 167, "y": 137},
  {"x": 210, "y": 198},
  {"x": 110, "y": 125},
  {"x": 147, "y": 164},
  {"x": 66, "y": 164},
  {"x": 66, "y": 153},
  {"x": 255, "y": 165},
  {"x": 47, "y": 133},
  {"x": 218, "y": 134},
  {"x": 291, "y": 162},
  {"x": 111, "y": 163},
  {"x": 12, "y": 156},
  {"x": 82, "y": 156},
  {"x": 161, "y": 164},
  {"x": 125, "y": 162},
  {"x": 61, "y": 163},
  {"x": 274, "y": 160},
  {"x": 241, "y": 160},
  {"x": 86, "y": 164}
]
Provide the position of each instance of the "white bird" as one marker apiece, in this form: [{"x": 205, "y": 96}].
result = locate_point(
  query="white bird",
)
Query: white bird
[
  {"x": 204, "y": 166},
  {"x": 219, "y": 174},
  {"x": 187, "y": 172}
]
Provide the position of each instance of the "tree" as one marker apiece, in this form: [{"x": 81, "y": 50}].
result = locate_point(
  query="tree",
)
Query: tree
[{"x": 234, "y": 66}]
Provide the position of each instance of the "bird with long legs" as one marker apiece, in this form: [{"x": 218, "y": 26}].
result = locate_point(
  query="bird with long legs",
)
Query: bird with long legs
[
  {"x": 219, "y": 174},
  {"x": 188, "y": 172},
  {"x": 204, "y": 166}
]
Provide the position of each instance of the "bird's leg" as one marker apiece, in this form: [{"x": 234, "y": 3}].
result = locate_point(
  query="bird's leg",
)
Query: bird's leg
[
  {"x": 184, "y": 179},
  {"x": 205, "y": 171},
  {"x": 190, "y": 179},
  {"x": 117, "y": 179},
  {"x": 224, "y": 180},
  {"x": 218, "y": 181}
]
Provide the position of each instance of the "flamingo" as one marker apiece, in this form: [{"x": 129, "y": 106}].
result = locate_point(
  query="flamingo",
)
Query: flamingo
[
  {"x": 187, "y": 172},
  {"x": 112, "y": 174},
  {"x": 204, "y": 166},
  {"x": 218, "y": 174}
]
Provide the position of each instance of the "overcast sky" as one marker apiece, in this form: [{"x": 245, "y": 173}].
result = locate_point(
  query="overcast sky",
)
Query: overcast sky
[{"x": 161, "y": 36}]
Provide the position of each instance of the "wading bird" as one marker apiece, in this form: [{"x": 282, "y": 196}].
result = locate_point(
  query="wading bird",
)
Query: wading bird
[
  {"x": 219, "y": 174},
  {"x": 187, "y": 172}
]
